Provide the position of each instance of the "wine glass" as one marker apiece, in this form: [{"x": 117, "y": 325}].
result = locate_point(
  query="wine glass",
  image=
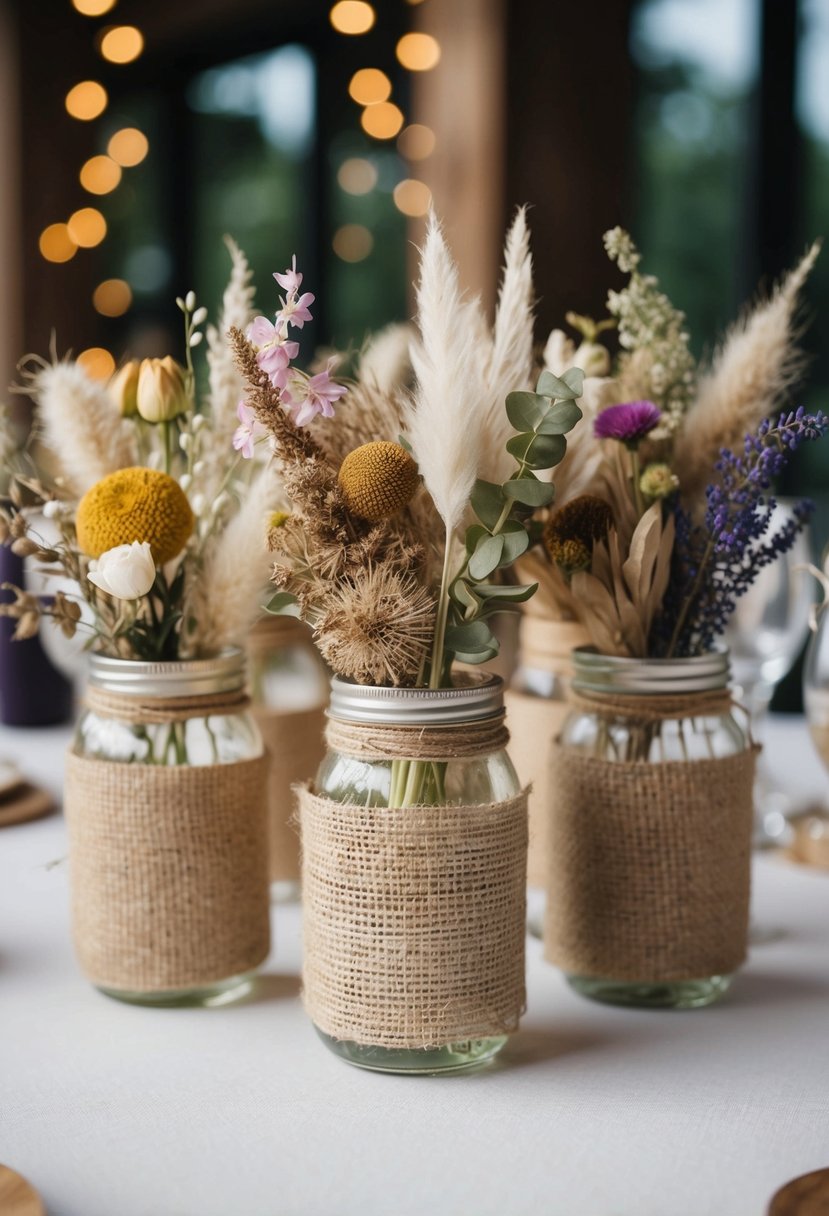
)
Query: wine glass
[
  {"x": 765, "y": 635},
  {"x": 816, "y": 685}
]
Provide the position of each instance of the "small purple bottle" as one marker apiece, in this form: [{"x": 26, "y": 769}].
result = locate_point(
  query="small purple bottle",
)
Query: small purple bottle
[{"x": 32, "y": 691}]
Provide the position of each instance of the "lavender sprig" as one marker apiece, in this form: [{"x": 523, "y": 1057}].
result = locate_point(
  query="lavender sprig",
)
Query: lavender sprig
[{"x": 716, "y": 561}]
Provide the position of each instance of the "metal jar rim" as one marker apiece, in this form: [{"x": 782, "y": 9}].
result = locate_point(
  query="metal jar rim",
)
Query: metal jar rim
[
  {"x": 595, "y": 672},
  {"x": 474, "y": 696},
  {"x": 223, "y": 672}
]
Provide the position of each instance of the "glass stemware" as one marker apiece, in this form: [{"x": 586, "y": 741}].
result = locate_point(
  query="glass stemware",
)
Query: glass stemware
[
  {"x": 765, "y": 635},
  {"x": 816, "y": 686}
]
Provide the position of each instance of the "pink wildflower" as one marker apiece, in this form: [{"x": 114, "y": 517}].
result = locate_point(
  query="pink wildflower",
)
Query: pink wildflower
[
  {"x": 317, "y": 395},
  {"x": 291, "y": 280},
  {"x": 244, "y": 436}
]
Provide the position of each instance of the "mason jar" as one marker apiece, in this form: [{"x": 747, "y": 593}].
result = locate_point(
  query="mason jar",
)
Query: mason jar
[
  {"x": 166, "y": 805},
  {"x": 289, "y": 689},
  {"x": 651, "y": 831},
  {"x": 361, "y": 776}
]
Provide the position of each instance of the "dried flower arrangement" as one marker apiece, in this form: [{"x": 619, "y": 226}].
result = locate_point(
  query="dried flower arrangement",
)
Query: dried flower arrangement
[
  {"x": 408, "y": 510},
  {"x": 664, "y": 505},
  {"x": 159, "y": 538}
]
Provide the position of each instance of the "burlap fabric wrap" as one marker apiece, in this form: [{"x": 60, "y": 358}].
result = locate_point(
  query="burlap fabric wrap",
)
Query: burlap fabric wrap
[
  {"x": 649, "y": 864},
  {"x": 534, "y": 722},
  {"x": 413, "y": 917},
  {"x": 168, "y": 870},
  {"x": 295, "y": 740}
]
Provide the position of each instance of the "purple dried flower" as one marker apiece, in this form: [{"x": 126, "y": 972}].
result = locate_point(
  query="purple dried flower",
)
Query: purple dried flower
[
  {"x": 628, "y": 422},
  {"x": 716, "y": 560}
]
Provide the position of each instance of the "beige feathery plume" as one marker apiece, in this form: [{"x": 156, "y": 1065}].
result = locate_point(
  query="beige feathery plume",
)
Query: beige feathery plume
[
  {"x": 442, "y": 427},
  {"x": 225, "y": 384},
  {"x": 754, "y": 369},
  {"x": 510, "y": 364},
  {"x": 385, "y": 363},
  {"x": 230, "y": 588},
  {"x": 77, "y": 421}
]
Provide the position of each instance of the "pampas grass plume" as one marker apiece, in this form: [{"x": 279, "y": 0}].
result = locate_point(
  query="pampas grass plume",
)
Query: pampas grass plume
[
  {"x": 237, "y": 564},
  {"x": 225, "y": 383},
  {"x": 79, "y": 423},
  {"x": 756, "y": 366},
  {"x": 442, "y": 427}
]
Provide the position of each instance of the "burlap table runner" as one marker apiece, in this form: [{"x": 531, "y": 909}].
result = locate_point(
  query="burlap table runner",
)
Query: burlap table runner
[
  {"x": 413, "y": 920},
  {"x": 169, "y": 871},
  {"x": 534, "y": 722},
  {"x": 649, "y": 864}
]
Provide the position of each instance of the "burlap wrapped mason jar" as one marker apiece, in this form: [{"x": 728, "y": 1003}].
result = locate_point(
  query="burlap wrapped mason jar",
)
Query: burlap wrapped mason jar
[
  {"x": 166, "y": 804},
  {"x": 414, "y": 841},
  {"x": 650, "y": 832}
]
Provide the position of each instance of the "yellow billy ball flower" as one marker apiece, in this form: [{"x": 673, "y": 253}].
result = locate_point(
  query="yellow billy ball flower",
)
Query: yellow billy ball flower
[
  {"x": 161, "y": 393},
  {"x": 123, "y": 388},
  {"x": 378, "y": 480},
  {"x": 135, "y": 505}
]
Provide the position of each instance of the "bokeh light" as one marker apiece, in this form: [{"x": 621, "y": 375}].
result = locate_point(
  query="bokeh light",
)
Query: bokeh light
[
  {"x": 121, "y": 43},
  {"x": 86, "y": 100},
  {"x": 368, "y": 86},
  {"x": 128, "y": 147},
  {"x": 56, "y": 243},
  {"x": 418, "y": 52},
  {"x": 96, "y": 362},
  {"x": 87, "y": 227},
  {"x": 382, "y": 121},
  {"x": 357, "y": 176},
  {"x": 100, "y": 174},
  {"x": 352, "y": 17},
  {"x": 353, "y": 242},
  {"x": 112, "y": 298},
  {"x": 94, "y": 8},
  {"x": 416, "y": 142},
  {"x": 412, "y": 197}
]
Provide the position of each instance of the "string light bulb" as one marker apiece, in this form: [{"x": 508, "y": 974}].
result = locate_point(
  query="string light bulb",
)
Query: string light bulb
[
  {"x": 100, "y": 175},
  {"x": 93, "y": 8},
  {"x": 96, "y": 362},
  {"x": 412, "y": 197},
  {"x": 87, "y": 227},
  {"x": 382, "y": 121},
  {"x": 86, "y": 100},
  {"x": 368, "y": 86},
  {"x": 352, "y": 17},
  {"x": 418, "y": 52},
  {"x": 128, "y": 147},
  {"x": 112, "y": 298},
  {"x": 121, "y": 43},
  {"x": 56, "y": 243}
]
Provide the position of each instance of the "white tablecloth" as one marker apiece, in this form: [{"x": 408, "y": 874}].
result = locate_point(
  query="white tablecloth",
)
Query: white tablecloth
[{"x": 591, "y": 1111}]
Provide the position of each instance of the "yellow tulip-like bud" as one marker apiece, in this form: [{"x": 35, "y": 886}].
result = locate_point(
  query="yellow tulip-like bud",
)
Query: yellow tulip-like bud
[
  {"x": 162, "y": 394},
  {"x": 135, "y": 504},
  {"x": 123, "y": 388},
  {"x": 378, "y": 480}
]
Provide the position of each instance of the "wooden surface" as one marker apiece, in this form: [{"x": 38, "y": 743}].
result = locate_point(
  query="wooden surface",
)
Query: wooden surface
[
  {"x": 17, "y": 1196},
  {"x": 20, "y": 804}
]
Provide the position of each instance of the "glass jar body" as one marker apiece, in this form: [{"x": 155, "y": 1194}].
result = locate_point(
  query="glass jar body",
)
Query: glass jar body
[
  {"x": 200, "y": 739},
  {"x": 618, "y": 737},
  {"x": 383, "y": 783}
]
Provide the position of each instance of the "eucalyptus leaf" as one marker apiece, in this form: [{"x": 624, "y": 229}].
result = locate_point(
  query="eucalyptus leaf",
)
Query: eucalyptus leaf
[
  {"x": 529, "y": 491},
  {"x": 474, "y": 535},
  {"x": 525, "y": 410},
  {"x": 283, "y": 604},
  {"x": 488, "y": 501},
  {"x": 404, "y": 443},
  {"x": 537, "y": 451},
  {"x": 559, "y": 389},
  {"x": 507, "y": 592},
  {"x": 469, "y": 637},
  {"x": 574, "y": 376},
  {"x": 516, "y": 541},
  {"x": 560, "y": 418},
  {"x": 486, "y": 557},
  {"x": 477, "y": 656}
]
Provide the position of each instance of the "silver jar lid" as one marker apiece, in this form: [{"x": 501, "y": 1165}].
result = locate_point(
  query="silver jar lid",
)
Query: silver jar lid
[
  {"x": 474, "y": 696},
  {"x": 224, "y": 672},
  {"x": 594, "y": 672}
]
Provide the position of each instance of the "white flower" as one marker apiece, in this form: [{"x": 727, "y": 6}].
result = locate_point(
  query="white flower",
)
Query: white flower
[
  {"x": 126, "y": 572},
  {"x": 54, "y": 508}
]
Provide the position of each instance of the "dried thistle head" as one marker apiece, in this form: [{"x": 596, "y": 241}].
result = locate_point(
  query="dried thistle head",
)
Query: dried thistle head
[
  {"x": 574, "y": 529},
  {"x": 377, "y": 627}
]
